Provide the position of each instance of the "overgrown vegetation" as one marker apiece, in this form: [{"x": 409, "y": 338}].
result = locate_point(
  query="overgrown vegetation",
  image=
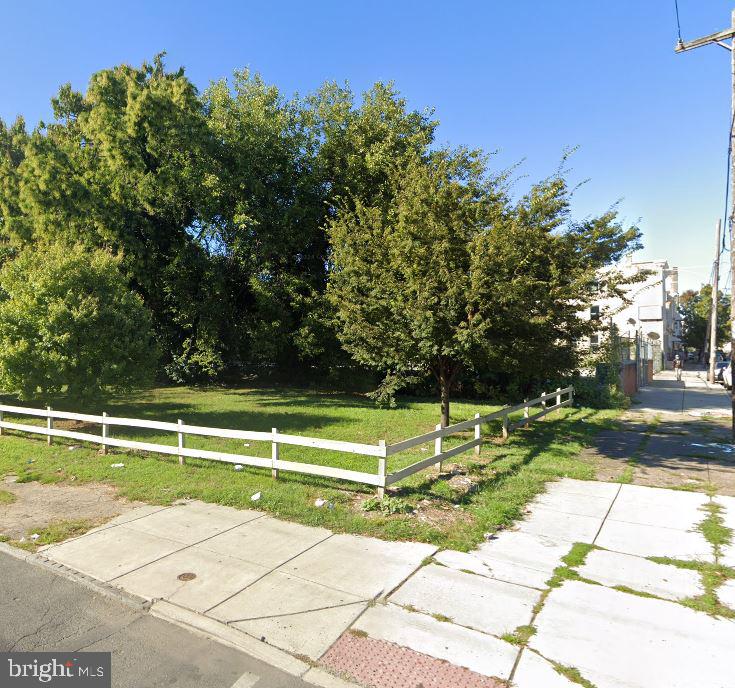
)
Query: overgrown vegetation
[{"x": 231, "y": 211}]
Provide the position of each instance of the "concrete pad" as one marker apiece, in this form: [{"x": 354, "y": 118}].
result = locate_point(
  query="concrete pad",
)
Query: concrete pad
[
  {"x": 613, "y": 568},
  {"x": 728, "y": 511},
  {"x": 650, "y": 541},
  {"x": 487, "y": 605},
  {"x": 726, "y": 594},
  {"x": 656, "y": 495},
  {"x": 291, "y": 613},
  {"x": 659, "y": 507},
  {"x": 132, "y": 515},
  {"x": 522, "y": 558},
  {"x": 568, "y": 503},
  {"x": 359, "y": 565},
  {"x": 641, "y": 494},
  {"x": 112, "y": 552},
  {"x": 616, "y": 639},
  {"x": 192, "y": 522},
  {"x": 463, "y": 561},
  {"x": 535, "y": 672},
  {"x": 211, "y": 628},
  {"x": 589, "y": 488},
  {"x": 555, "y": 524},
  {"x": 266, "y": 541},
  {"x": 476, "y": 651},
  {"x": 217, "y": 578}
]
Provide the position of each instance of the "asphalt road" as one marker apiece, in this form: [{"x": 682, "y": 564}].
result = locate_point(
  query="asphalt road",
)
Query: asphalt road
[{"x": 42, "y": 611}]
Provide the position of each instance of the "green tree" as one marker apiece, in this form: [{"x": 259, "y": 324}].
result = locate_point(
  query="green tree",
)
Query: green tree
[
  {"x": 126, "y": 165},
  {"x": 695, "y": 308},
  {"x": 69, "y": 320},
  {"x": 452, "y": 276}
]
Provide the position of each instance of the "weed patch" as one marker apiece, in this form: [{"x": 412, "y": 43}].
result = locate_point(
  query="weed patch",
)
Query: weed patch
[
  {"x": 520, "y": 636},
  {"x": 6, "y": 497}
]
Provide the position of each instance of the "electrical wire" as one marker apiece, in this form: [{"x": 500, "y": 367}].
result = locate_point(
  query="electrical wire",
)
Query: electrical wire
[
  {"x": 678, "y": 23},
  {"x": 727, "y": 216}
]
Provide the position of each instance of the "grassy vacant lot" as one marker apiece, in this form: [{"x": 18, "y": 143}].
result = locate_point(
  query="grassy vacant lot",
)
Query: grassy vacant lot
[{"x": 476, "y": 494}]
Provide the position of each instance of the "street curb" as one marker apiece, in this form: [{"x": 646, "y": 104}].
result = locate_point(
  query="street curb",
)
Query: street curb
[
  {"x": 221, "y": 632},
  {"x": 323, "y": 679},
  {"x": 137, "y": 603}
]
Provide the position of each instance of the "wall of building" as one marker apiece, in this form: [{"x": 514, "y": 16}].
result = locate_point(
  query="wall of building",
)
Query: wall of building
[{"x": 653, "y": 309}]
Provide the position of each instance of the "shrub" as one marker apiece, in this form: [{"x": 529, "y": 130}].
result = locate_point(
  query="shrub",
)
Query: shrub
[{"x": 68, "y": 320}]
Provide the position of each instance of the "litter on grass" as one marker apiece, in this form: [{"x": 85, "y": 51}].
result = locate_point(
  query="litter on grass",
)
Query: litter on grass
[
  {"x": 319, "y": 503},
  {"x": 238, "y": 467},
  {"x": 255, "y": 497},
  {"x": 117, "y": 465}
]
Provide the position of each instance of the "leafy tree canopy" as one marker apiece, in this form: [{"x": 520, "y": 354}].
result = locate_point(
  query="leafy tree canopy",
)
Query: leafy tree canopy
[
  {"x": 452, "y": 275},
  {"x": 69, "y": 320},
  {"x": 695, "y": 308}
]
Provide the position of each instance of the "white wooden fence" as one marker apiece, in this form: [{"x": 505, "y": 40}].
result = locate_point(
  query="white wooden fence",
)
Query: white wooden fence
[{"x": 381, "y": 479}]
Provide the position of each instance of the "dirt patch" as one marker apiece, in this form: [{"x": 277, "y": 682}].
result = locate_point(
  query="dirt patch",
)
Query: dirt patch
[
  {"x": 37, "y": 505},
  {"x": 440, "y": 515}
]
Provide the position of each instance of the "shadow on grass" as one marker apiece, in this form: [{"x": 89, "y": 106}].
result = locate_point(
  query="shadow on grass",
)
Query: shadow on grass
[{"x": 510, "y": 458}]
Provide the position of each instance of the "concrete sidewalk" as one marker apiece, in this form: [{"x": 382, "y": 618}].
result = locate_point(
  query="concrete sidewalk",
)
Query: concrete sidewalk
[
  {"x": 693, "y": 396},
  {"x": 311, "y": 602}
]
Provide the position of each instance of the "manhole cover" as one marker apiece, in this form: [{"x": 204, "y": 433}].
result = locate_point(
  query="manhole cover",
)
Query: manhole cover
[{"x": 186, "y": 576}]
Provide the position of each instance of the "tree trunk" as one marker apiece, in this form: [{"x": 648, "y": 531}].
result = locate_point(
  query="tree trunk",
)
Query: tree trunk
[{"x": 444, "y": 384}]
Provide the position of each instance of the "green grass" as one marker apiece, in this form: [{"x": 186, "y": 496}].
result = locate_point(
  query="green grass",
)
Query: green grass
[
  {"x": 57, "y": 531},
  {"x": 505, "y": 476},
  {"x": 714, "y": 529},
  {"x": 520, "y": 636},
  {"x": 6, "y": 497},
  {"x": 573, "y": 674},
  {"x": 712, "y": 575}
]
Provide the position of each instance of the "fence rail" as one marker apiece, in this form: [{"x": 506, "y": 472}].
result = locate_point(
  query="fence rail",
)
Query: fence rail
[{"x": 380, "y": 479}]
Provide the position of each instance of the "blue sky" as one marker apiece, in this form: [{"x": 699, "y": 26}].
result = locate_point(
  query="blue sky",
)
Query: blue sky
[{"x": 524, "y": 78}]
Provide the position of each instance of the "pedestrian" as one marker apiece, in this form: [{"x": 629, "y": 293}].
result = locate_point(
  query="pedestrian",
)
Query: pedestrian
[{"x": 677, "y": 367}]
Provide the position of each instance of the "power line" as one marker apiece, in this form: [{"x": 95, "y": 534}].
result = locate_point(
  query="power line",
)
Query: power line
[
  {"x": 728, "y": 221},
  {"x": 678, "y": 23}
]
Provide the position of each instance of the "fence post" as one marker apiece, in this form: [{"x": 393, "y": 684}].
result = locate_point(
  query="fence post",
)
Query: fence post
[
  {"x": 180, "y": 437},
  {"x": 104, "y": 433},
  {"x": 49, "y": 426},
  {"x": 274, "y": 453},
  {"x": 526, "y": 410},
  {"x": 571, "y": 395},
  {"x": 477, "y": 434},
  {"x": 438, "y": 446},
  {"x": 558, "y": 396},
  {"x": 543, "y": 401},
  {"x": 381, "y": 472},
  {"x": 505, "y": 426},
  {"x": 1, "y": 420}
]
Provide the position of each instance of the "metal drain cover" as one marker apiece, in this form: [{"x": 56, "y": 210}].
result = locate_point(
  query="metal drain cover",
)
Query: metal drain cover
[{"x": 186, "y": 576}]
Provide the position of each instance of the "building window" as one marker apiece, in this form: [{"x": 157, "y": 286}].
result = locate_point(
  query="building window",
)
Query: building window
[
  {"x": 594, "y": 312},
  {"x": 594, "y": 342}
]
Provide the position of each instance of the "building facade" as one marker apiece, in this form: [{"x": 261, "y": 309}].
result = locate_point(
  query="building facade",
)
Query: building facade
[{"x": 652, "y": 316}]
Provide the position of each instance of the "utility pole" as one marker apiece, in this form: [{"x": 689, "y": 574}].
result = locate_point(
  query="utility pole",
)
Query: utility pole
[
  {"x": 715, "y": 303},
  {"x": 720, "y": 39}
]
